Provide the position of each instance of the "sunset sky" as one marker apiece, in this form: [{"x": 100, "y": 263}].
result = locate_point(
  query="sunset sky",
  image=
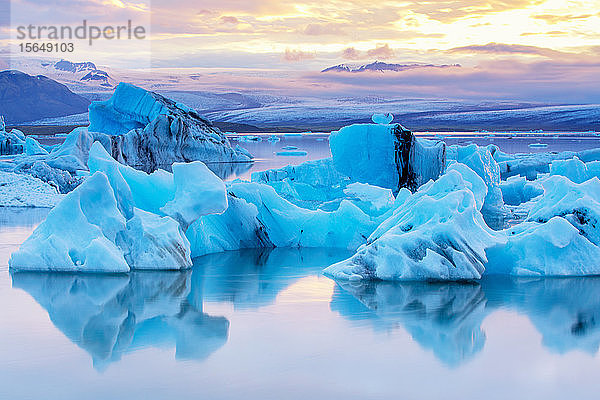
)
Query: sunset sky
[{"x": 528, "y": 47}]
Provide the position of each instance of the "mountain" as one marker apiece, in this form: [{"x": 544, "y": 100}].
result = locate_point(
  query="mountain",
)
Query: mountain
[
  {"x": 25, "y": 98},
  {"x": 381, "y": 67}
]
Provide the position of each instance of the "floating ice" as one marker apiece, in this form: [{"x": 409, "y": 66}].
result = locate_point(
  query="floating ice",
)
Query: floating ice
[
  {"x": 295, "y": 153},
  {"x": 99, "y": 228},
  {"x": 386, "y": 155},
  {"x": 437, "y": 233},
  {"x": 33, "y": 147},
  {"x": 148, "y": 130},
  {"x": 79, "y": 234},
  {"x": 198, "y": 192},
  {"x": 258, "y": 217},
  {"x": 480, "y": 160},
  {"x": 552, "y": 248},
  {"x": 307, "y": 185},
  {"x": 382, "y": 118}
]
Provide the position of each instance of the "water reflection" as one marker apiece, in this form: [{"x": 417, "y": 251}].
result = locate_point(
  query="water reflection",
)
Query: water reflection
[
  {"x": 446, "y": 317},
  {"x": 108, "y": 315},
  {"x": 253, "y": 278},
  {"x": 112, "y": 315},
  {"x": 443, "y": 317}
]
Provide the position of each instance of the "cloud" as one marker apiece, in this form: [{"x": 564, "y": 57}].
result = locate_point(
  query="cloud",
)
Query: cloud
[
  {"x": 382, "y": 52},
  {"x": 554, "y": 19},
  {"x": 502, "y": 48},
  {"x": 229, "y": 20},
  {"x": 323, "y": 29},
  {"x": 351, "y": 53},
  {"x": 297, "y": 55}
]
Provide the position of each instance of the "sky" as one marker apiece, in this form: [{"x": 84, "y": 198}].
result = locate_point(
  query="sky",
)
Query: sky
[{"x": 514, "y": 49}]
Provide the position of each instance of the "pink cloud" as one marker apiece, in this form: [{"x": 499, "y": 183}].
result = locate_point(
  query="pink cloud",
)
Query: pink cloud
[
  {"x": 297, "y": 55},
  {"x": 382, "y": 52}
]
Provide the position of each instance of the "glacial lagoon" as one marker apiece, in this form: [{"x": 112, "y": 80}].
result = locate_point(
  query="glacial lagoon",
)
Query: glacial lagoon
[{"x": 266, "y": 324}]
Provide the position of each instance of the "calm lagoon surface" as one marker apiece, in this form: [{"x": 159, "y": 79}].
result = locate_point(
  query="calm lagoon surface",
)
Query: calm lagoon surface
[{"x": 266, "y": 324}]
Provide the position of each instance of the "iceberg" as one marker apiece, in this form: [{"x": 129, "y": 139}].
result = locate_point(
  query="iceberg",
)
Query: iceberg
[
  {"x": 560, "y": 236},
  {"x": 198, "y": 192},
  {"x": 79, "y": 234},
  {"x": 146, "y": 130},
  {"x": 307, "y": 185},
  {"x": 480, "y": 160},
  {"x": 99, "y": 228},
  {"x": 388, "y": 156},
  {"x": 553, "y": 248},
  {"x": 437, "y": 233},
  {"x": 33, "y": 147},
  {"x": 12, "y": 142},
  {"x": 258, "y": 217},
  {"x": 383, "y": 119},
  {"x": 530, "y": 165}
]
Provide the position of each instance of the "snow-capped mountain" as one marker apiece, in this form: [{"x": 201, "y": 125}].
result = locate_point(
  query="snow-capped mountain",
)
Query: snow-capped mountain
[
  {"x": 382, "y": 66},
  {"x": 79, "y": 76}
]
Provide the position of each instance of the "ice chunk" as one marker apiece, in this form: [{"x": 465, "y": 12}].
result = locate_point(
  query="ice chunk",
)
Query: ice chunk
[
  {"x": 154, "y": 242},
  {"x": 133, "y": 188},
  {"x": 197, "y": 192},
  {"x": 480, "y": 160},
  {"x": 99, "y": 228},
  {"x": 33, "y": 147},
  {"x": 78, "y": 234},
  {"x": 258, "y": 217},
  {"x": 553, "y": 248},
  {"x": 147, "y": 130},
  {"x": 307, "y": 185},
  {"x": 383, "y": 119},
  {"x": 437, "y": 233},
  {"x": 574, "y": 169},
  {"x": 379, "y": 198},
  {"x": 19, "y": 190},
  {"x": 12, "y": 142},
  {"x": 517, "y": 190},
  {"x": 386, "y": 155},
  {"x": 577, "y": 203},
  {"x": 532, "y": 164}
]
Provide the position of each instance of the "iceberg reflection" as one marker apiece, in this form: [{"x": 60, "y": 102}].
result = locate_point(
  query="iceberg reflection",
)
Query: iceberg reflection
[
  {"x": 446, "y": 317},
  {"x": 110, "y": 315}
]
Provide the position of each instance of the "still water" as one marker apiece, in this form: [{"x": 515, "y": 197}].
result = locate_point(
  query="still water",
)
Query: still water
[{"x": 265, "y": 324}]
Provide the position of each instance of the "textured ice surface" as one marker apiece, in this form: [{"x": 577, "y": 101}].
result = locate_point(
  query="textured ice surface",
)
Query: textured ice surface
[
  {"x": 480, "y": 160},
  {"x": 560, "y": 236},
  {"x": 78, "y": 235},
  {"x": 553, "y": 248},
  {"x": 33, "y": 147},
  {"x": 436, "y": 233},
  {"x": 19, "y": 190},
  {"x": 532, "y": 164},
  {"x": 383, "y": 119}
]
